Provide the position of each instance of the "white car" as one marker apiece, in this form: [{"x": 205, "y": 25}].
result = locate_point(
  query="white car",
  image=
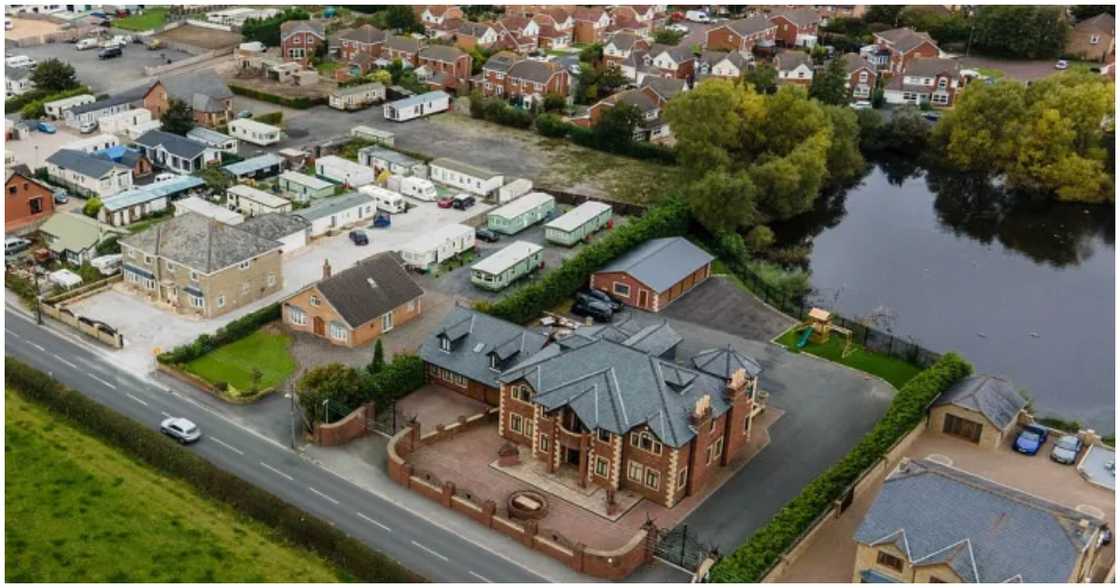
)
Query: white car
[
  {"x": 1062, "y": 64},
  {"x": 861, "y": 105},
  {"x": 677, "y": 28},
  {"x": 180, "y": 429},
  {"x": 87, "y": 127}
]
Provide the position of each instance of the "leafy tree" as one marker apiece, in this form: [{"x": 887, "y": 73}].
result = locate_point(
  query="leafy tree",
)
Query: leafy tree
[
  {"x": 763, "y": 77},
  {"x": 1021, "y": 31},
  {"x": 722, "y": 200},
  {"x": 870, "y": 130},
  {"x": 554, "y": 102},
  {"x": 92, "y": 207},
  {"x": 267, "y": 30},
  {"x": 216, "y": 180},
  {"x": 334, "y": 382},
  {"x": 378, "y": 362},
  {"x": 402, "y": 18},
  {"x": 255, "y": 376},
  {"x": 908, "y": 131},
  {"x": 53, "y": 76},
  {"x": 887, "y": 14},
  {"x": 592, "y": 53},
  {"x": 109, "y": 246},
  {"x": 830, "y": 85},
  {"x": 952, "y": 27},
  {"x": 382, "y": 77},
  {"x": 759, "y": 238},
  {"x": 615, "y": 129},
  {"x": 845, "y": 162},
  {"x": 1084, "y": 11},
  {"x": 667, "y": 37},
  {"x": 179, "y": 118}
]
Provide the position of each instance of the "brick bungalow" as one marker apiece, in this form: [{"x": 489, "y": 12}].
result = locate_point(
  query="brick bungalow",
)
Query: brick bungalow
[
  {"x": 653, "y": 275},
  {"x": 300, "y": 40},
  {"x": 26, "y": 201},
  {"x": 896, "y": 48},
  {"x": 209, "y": 97},
  {"x": 357, "y": 305},
  {"x": 742, "y": 35},
  {"x": 796, "y": 28}
]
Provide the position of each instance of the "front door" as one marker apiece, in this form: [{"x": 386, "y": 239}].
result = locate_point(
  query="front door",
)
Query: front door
[
  {"x": 643, "y": 298},
  {"x": 318, "y": 326},
  {"x": 571, "y": 456}
]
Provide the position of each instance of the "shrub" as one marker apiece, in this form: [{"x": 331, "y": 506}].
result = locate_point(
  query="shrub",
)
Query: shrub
[
  {"x": 271, "y": 118},
  {"x": 552, "y": 126},
  {"x": 759, "y": 238},
  {"x": 234, "y": 330},
  {"x": 146, "y": 445},
  {"x": 1060, "y": 424},
  {"x": 752, "y": 560},
  {"x": 347, "y": 388},
  {"x": 92, "y": 207},
  {"x": 527, "y": 302},
  {"x": 498, "y": 111},
  {"x": 300, "y": 103}
]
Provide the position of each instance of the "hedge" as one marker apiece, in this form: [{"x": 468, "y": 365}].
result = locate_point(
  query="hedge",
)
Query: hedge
[
  {"x": 146, "y": 445},
  {"x": 234, "y": 330},
  {"x": 752, "y": 560},
  {"x": 300, "y": 103},
  {"x": 271, "y": 118},
  {"x": 527, "y": 302},
  {"x": 396, "y": 380}
]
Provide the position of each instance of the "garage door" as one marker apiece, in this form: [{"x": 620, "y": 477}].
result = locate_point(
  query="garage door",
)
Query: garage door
[{"x": 963, "y": 428}]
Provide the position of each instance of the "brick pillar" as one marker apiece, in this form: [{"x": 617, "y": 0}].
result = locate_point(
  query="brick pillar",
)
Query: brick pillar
[
  {"x": 579, "y": 552},
  {"x": 530, "y": 533},
  {"x": 584, "y": 450},
  {"x": 738, "y": 396},
  {"x": 448, "y": 492},
  {"x": 488, "y": 510}
]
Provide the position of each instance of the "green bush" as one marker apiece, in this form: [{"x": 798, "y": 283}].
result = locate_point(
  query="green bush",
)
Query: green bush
[
  {"x": 147, "y": 446},
  {"x": 780, "y": 286},
  {"x": 752, "y": 560},
  {"x": 234, "y": 330},
  {"x": 347, "y": 388},
  {"x": 498, "y": 111},
  {"x": 527, "y": 302},
  {"x": 552, "y": 126},
  {"x": 32, "y": 104},
  {"x": 299, "y": 103},
  {"x": 271, "y": 118}
]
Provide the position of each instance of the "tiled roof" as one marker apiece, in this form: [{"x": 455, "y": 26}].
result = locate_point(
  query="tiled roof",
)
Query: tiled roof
[
  {"x": 854, "y": 62},
  {"x": 502, "y": 61},
  {"x": 369, "y": 289},
  {"x": 402, "y": 43},
  {"x": 750, "y": 25},
  {"x": 928, "y": 67},
  {"x": 904, "y": 39},
  {"x": 474, "y": 335},
  {"x": 801, "y": 17},
  {"x": 177, "y": 145},
  {"x": 200, "y": 243},
  {"x": 660, "y": 263},
  {"x": 203, "y": 90},
  {"x": 83, "y": 163},
  {"x": 679, "y": 53},
  {"x": 654, "y": 339},
  {"x": 534, "y": 71},
  {"x": 441, "y": 53},
  {"x": 367, "y": 34},
  {"x": 291, "y": 27},
  {"x": 667, "y": 88},
  {"x": 623, "y": 40},
  {"x": 994, "y": 397},
  {"x": 791, "y": 60},
  {"x": 1103, "y": 23},
  {"x": 274, "y": 225},
  {"x": 722, "y": 362}
]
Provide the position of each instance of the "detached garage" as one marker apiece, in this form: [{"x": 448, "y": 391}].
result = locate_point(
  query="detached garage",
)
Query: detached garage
[
  {"x": 981, "y": 409},
  {"x": 291, "y": 231},
  {"x": 654, "y": 274}
]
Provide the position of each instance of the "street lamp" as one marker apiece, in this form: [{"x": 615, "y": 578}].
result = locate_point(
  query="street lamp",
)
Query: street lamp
[{"x": 38, "y": 296}]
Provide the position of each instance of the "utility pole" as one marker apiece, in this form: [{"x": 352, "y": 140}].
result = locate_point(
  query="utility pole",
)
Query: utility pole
[{"x": 38, "y": 297}]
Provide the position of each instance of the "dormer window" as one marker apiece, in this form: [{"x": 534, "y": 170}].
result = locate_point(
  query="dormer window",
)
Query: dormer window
[
  {"x": 444, "y": 344},
  {"x": 521, "y": 393},
  {"x": 493, "y": 362}
]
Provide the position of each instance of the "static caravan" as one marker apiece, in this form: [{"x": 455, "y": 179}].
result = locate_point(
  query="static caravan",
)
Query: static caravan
[
  {"x": 213, "y": 139},
  {"x": 371, "y": 134},
  {"x": 515, "y": 189},
  {"x": 426, "y": 251},
  {"x": 94, "y": 144},
  {"x": 136, "y": 204},
  {"x": 56, "y": 109},
  {"x": 139, "y": 130},
  {"x": 414, "y": 187},
  {"x": 303, "y": 187},
  {"x": 386, "y": 200},
  {"x": 521, "y": 213},
  {"x": 397, "y": 163},
  {"x": 343, "y": 171},
  {"x": 254, "y": 132},
  {"x": 417, "y": 106},
  {"x": 336, "y": 213},
  {"x": 501, "y": 269},
  {"x": 463, "y": 176},
  {"x": 579, "y": 223},
  {"x": 122, "y": 121},
  {"x": 357, "y": 97},
  {"x": 252, "y": 202}
]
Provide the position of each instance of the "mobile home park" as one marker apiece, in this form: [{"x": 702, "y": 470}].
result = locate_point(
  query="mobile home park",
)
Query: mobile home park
[
  {"x": 515, "y": 260},
  {"x": 254, "y": 132},
  {"x": 426, "y": 251},
  {"x": 462, "y": 176},
  {"x": 343, "y": 171},
  {"x": 578, "y": 223},
  {"x": 521, "y": 213},
  {"x": 417, "y": 106}
]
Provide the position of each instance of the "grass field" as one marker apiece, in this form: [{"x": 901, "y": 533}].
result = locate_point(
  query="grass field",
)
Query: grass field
[
  {"x": 893, "y": 370},
  {"x": 151, "y": 19},
  {"x": 77, "y": 510},
  {"x": 233, "y": 363}
]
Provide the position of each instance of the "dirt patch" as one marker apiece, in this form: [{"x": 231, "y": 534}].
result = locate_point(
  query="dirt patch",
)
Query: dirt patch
[
  {"x": 200, "y": 37},
  {"x": 23, "y": 28},
  {"x": 319, "y": 90}
]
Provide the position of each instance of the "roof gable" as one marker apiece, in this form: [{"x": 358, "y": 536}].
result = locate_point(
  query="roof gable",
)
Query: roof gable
[
  {"x": 660, "y": 263},
  {"x": 369, "y": 289},
  {"x": 994, "y": 397}
]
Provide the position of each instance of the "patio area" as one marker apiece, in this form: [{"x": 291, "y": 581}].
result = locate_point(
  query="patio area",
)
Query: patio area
[{"x": 433, "y": 405}]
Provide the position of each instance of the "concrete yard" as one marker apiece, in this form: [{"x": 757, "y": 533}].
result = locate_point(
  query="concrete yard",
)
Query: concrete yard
[{"x": 104, "y": 76}]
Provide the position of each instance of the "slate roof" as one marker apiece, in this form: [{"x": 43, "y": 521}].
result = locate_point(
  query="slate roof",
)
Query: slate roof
[
  {"x": 329, "y": 206},
  {"x": 402, "y": 43},
  {"x": 854, "y": 62},
  {"x": 441, "y": 53},
  {"x": 151, "y": 192},
  {"x": 208, "y": 136},
  {"x": 367, "y": 34},
  {"x": 985, "y": 531},
  {"x": 203, "y": 90},
  {"x": 623, "y": 40},
  {"x": 750, "y": 25},
  {"x": 291, "y": 27},
  {"x": 200, "y": 243},
  {"x": 721, "y": 362},
  {"x": 83, "y": 163},
  {"x": 274, "y": 225},
  {"x": 177, "y": 145},
  {"x": 635, "y": 98},
  {"x": 534, "y": 71},
  {"x": 802, "y": 17},
  {"x": 660, "y": 263},
  {"x": 474, "y": 335},
  {"x": 368, "y": 289},
  {"x": 904, "y": 39},
  {"x": 655, "y": 339},
  {"x": 667, "y": 88},
  {"x": 928, "y": 67},
  {"x": 712, "y": 58},
  {"x": 678, "y": 53},
  {"x": 1103, "y": 23},
  {"x": 615, "y": 387},
  {"x": 791, "y": 60},
  {"x": 474, "y": 29},
  {"x": 992, "y": 396},
  {"x": 502, "y": 61}
]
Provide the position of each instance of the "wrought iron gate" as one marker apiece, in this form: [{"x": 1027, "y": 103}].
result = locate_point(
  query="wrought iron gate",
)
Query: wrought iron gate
[
  {"x": 388, "y": 420},
  {"x": 683, "y": 548}
]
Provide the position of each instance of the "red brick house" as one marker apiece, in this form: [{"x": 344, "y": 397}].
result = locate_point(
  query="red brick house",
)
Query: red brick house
[
  {"x": 209, "y": 97},
  {"x": 644, "y": 15},
  {"x": 670, "y": 61},
  {"x": 589, "y": 24},
  {"x": 934, "y": 80},
  {"x": 621, "y": 46},
  {"x": 510, "y": 75},
  {"x": 796, "y": 28},
  {"x": 520, "y": 32},
  {"x": 444, "y": 67},
  {"x": 438, "y": 14},
  {"x": 26, "y": 201},
  {"x": 406, "y": 49},
  {"x": 862, "y": 76},
  {"x": 720, "y": 64},
  {"x": 364, "y": 40},
  {"x": 476, "y": 34},
  {"x": 615, "y": 415},
  {"x": 555, "y": 29},
  {"x": 655, "y": 274},
  {"x": 742, "y": 35},
  {"x": 301, "y": 39},
  {"x": 1093, "y": 38},
  {"x": 651, "y": 128},
  {"x": 898, "y": 47}
]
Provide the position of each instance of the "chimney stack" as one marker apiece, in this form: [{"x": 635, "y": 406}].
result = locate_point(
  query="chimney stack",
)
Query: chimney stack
[{"x": 326, "y": 268}]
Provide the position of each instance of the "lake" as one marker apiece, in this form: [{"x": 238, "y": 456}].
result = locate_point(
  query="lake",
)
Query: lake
[{"x": 1021, "y": 287}]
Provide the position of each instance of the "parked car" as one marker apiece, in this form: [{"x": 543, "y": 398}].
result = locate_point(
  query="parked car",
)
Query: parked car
[
  {"x": 1030, "y": 440},
  {"x": 14, "y": 245},
  {"x": 46, "y": 127},
  {"x": 110, "y": 53},
  {"x": 1066, "y": 449},
  {"x": 153, "y": 44},
  {"x": 87, "y": 43},
  {"x": 245, "y": 114},
  {"x": 1062, "y": 64},
  {"x": 180, "y": 429},
  {"x": 861, "y": 105},
  {"x": 678, "y": 28},
  {"x": 87, "y": 127},
  {"x": 596, "y": 309},
  {"x": 445, "y": 202},
  {"x": 60, "y": 196},
  {"x": 486, "y": 235},
  {"x": 462, "y": 201},
  {"x": 931, "y": 116},
  {"x": 359, "y": 238},
  {"x": 602, "y": 296}
]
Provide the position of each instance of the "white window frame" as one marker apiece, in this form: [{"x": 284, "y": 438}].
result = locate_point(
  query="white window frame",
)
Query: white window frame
[
  {"x": 635, "y": 471},
  {"x": 618, "y": 287},
  {"x": 221, "y": 301},
  {"x": 297, "y": 316},
  {"x": 656, "y": 476},
  {"x": 338, "y": 332}
]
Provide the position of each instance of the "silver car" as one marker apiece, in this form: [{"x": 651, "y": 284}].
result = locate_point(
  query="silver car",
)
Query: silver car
[
  {"x": 1066, "y": 449},
  {"x": 180, "y": 429}
]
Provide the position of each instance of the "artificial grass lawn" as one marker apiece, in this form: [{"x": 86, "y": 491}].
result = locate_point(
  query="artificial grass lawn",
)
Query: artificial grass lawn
[
  {"x": 152, "y": 18},
  {"x": 233, "y": 363},
  {"x": 78, "y": 510},
  {"x": 893, "y": 370}
]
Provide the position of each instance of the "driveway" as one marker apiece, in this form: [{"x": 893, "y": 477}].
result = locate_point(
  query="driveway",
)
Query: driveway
[
  {"x": 1015, "y": 69},
  {"x": 719, "y": 303},
  {"x": 34, "y": 149}
]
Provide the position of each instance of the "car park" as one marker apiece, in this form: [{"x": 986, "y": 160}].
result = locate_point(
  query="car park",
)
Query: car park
[
  {"x": 180, "y": 429},
  {"x": 602, "y": 296},
  {"x": 1030, "y": 440},
  {"x": 359, "y": 238},
  {"x": 483, "y": 234},
  {"x": 1066, "y": 449},
  {"x": 87, "y": 43},
  {"x": 592, "y": 307}
]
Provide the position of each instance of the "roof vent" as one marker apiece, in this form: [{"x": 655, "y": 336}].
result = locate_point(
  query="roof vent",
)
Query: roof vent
[{"x": 372, "y": 284}]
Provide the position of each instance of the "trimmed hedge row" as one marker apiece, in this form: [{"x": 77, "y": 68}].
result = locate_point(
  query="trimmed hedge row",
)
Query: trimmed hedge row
[
  {"x": 527, "y": 302},
  {"x": 396, "y": 380},
  {"x": 148, "y": 446},
  {"x": 234, "y": 330},
  {"x": 300, "y": 103},
  {"x": 347, "y": 388},
  {"x": 751, "y": 561}
]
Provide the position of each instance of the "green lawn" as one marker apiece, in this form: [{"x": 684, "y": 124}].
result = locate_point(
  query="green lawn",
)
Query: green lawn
[
  {"x": 233, "y": 363},
  {"x": 151, "y": 19},
  {"x": 78, "y": 510},
  {"x": 893, "y": 370},
  {"x": 326, "y": 68},
  {"x": 991, "y": 72}
]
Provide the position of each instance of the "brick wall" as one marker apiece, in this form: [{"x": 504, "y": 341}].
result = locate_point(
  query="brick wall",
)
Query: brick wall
[
  {"x": 352, "y": 426},
  {"x": 21, "y": 197}
]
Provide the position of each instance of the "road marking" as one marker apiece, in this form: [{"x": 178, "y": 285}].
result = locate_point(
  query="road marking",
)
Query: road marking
[
  {"x": 483, "y": 578},
  {"x": 226, "y": 445},
  {"x": 290, "y": 479},
  {"x": 12, "y": 333},
  {"x": 37, "y": 346},
  {"x": 165, "y": 414},
  {"x": 65, "y": 361},
  {"x": 136, "y": 399},
  {"x": 431, "y": 551},
  {"x": 103, "y": 381},
  {"x": 327, "y": 498},
  {"x": 374, "y": 522}
]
